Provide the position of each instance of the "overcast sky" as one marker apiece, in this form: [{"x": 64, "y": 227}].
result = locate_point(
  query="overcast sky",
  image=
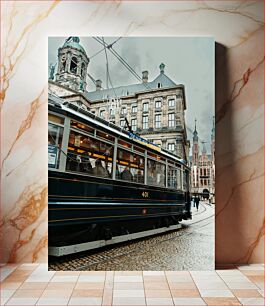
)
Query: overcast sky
[{"x": 188, "y": 61}]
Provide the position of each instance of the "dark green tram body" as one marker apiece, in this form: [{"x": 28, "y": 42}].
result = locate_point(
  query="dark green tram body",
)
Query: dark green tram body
[{"x": 83, "y": 207}]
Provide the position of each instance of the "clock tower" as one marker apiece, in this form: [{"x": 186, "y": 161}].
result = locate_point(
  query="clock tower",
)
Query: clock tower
[{"x": 72, "y": 65}]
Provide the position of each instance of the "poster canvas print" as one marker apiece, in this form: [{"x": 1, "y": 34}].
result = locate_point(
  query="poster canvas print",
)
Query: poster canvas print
[{"x": 131, "y": 143}]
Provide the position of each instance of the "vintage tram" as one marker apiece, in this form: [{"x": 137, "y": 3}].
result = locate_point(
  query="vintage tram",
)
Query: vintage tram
[{"x": 104, "y": 181}]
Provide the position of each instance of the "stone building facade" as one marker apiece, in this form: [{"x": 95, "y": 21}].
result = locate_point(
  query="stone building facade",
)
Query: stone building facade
[
  {"x": 153, "y": 109},
  {"x": 203, "y": 166}
]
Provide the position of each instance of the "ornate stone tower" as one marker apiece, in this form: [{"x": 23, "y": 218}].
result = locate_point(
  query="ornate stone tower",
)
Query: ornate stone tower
[
  {"x": 195, "y": 147},
  {"x": 72, "y": 65}
]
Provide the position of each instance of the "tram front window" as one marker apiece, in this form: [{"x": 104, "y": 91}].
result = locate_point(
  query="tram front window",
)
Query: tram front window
[
  {"x": 55, "y": 134},
  {"x": 130, "y": 167},
  {"x": 156, "y": 173},
  {"x": 89, "y": 156}
]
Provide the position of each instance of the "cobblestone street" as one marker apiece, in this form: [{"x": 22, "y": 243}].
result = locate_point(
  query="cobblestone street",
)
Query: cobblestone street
[{"x": 190, "y": 248}]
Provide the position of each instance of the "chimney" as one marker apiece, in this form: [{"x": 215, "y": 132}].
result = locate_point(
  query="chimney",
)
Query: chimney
[
  {"x": 98, "y": 84},
  {"x": 145, "y": 76}
]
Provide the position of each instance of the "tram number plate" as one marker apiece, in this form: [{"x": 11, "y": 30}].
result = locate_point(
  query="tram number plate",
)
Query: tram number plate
[{"x": 145, "y": 194}]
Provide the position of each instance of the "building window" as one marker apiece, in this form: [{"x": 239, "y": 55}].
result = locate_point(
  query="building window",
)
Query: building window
[
  {"x": 102, "y": 113},
  {"x": 63, "y": 60},
  {"x": 158, "y": 104},
  {"x": 171, "y": 103},
  {"x": 171, "y": 147},
  {"x": 73, "y": 65},
  {"x": 134, "y": 124},
  {"x": 112, "y": 111},
  {"x": 122, "y": 123},
  {"x": 178, "y": 121},
  {"x": 158, "y": 121},
  {"x": 171, "y": 120},
  {"x": 145, "y": 107},
  {"x": 134, "y": 109},
  {"x": 145, "y": 122},
  {"x": 123, "y": 110}
]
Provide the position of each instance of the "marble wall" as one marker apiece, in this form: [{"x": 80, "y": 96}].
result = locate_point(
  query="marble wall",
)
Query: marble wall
[{"x": 238, "y": 29}]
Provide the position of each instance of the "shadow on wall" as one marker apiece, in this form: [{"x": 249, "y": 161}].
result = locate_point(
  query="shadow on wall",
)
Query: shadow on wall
[
  {"x": 237, "y": 234},
  {"x": 223, "y": 145}
]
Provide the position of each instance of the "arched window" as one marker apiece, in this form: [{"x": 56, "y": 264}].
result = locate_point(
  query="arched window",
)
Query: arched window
[
  {"x": 83, "y": 69},
  {"x": 63, "y": 61},
  {"x": 73, "y": 65}
]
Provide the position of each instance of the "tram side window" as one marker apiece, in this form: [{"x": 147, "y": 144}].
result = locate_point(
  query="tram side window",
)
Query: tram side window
[
  {"x": 185, "y": 180},
  {"x": 55, "y": 135},
  {"x": 156, "y": 173},
  {"x": 90, "y": 156},
  {"x": 129, "y": 167},
  {"x": 173, "y": 177}
]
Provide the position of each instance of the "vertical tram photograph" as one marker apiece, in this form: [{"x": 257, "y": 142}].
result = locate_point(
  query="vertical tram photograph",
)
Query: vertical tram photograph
[{"x": 131, "y": 145}]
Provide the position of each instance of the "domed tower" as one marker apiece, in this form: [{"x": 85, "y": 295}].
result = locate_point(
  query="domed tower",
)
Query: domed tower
[{"x": 72, "y": 65}]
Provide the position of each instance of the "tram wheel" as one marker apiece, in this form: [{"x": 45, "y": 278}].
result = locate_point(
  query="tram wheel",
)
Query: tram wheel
[
  {"x": 107, "y": 234},
  {"x": 166, "y": 222},
  {"x": 124, "y": 231}
]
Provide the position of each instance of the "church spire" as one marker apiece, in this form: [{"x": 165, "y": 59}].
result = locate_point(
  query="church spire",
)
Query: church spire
[
  {"x": 213, "y": 129},
  {"x": 195, "y": 133}
]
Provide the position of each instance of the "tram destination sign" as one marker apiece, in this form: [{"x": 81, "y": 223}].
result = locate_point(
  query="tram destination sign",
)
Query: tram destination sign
[{"x": 144, "y": 142}]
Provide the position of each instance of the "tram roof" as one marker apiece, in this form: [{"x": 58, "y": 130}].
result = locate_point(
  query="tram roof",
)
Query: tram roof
[{"x": 89, "y": 116}]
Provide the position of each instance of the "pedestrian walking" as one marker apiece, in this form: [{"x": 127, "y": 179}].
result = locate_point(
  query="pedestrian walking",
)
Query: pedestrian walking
[{"x": 197, "y": 202}]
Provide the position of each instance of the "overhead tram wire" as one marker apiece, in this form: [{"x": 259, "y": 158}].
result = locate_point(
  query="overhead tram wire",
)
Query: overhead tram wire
[
  {"x": 107, "y": 66},
  {"x": 108, "y": 73},
  {"x": 104, "y": 47},
  {"x": 98, "y": 39},
  {"x": 109, "y": 47},
  {"x": 124, "y": 63},
  {"x": 108, "y": 76}
]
